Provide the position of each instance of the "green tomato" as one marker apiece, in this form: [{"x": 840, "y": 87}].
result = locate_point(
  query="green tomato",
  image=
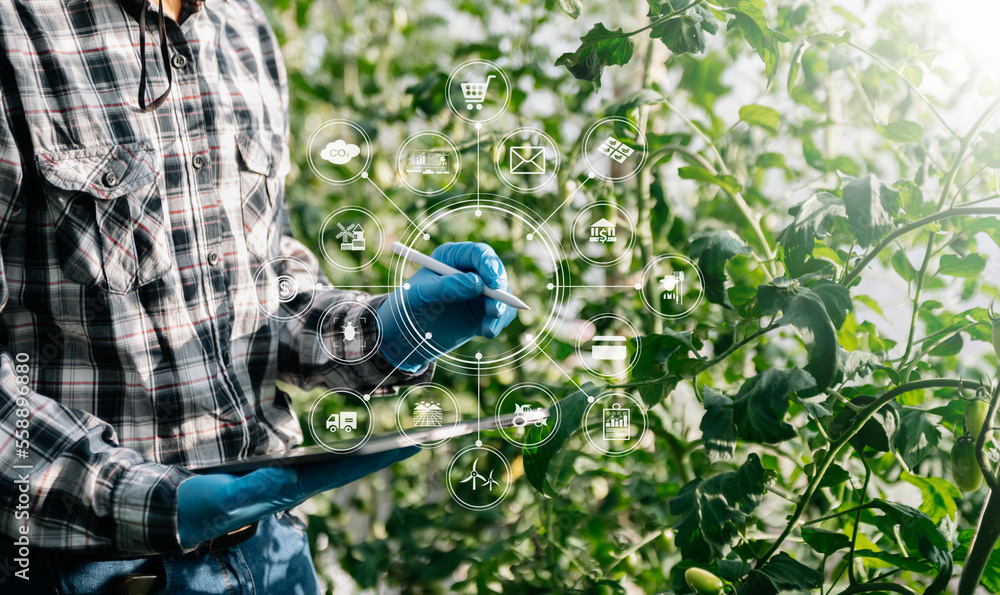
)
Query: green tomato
[
  {"x": 703, "y": 582},
  {"x": 996, "y": 337},
  {"x": 634, "y": 563},
  {"x": 964, "y": 467},
  {"x": 975, "y": 417}
]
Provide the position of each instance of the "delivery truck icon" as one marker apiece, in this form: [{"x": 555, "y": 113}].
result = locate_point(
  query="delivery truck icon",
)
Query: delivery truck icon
[{"x": 347, "y": 421}]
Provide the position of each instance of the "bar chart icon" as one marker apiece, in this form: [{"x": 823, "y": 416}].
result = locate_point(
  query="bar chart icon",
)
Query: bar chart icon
[{"x": 617, "y": 423}]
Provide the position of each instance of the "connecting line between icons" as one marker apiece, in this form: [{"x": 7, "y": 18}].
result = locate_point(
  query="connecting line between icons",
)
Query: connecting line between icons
[
  {"x": 568, "y": 198},
  {"x": 479, "y": 397},
  {"x": 595, "y": 287},
  {"x": 422, "y": 341},
  {"x": 386, "y": 196},
  {"x": 478, "y": 132},
  {"x": 568, "y": 377}
]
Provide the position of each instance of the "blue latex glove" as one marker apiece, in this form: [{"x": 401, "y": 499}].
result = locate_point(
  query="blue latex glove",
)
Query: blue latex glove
[
  {"x": 451, "y": 308},
  {"x": 215, "y": 504}
]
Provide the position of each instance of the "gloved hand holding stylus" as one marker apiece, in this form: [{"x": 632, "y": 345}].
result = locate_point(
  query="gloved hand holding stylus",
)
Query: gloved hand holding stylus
[
  {"x": 449, "y": 307},
  {"x": 215, "y": 504}
]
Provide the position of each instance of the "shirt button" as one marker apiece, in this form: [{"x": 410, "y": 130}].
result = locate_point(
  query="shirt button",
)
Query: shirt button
[
  {"x": 178, "y": 61},
  {"x": 225, "y": 357},
  {"x": 213, "y": 258},
  {"x": 198, "y": 161},
  {"x": 110, "y": 179}
]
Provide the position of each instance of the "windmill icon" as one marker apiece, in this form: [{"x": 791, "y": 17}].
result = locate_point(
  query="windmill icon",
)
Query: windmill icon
[
  {"x": 475, "y": 477},
  {"x": 352, "y": 237}
]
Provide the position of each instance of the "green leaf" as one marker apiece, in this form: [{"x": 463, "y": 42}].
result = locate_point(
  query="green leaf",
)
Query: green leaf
[
  {"x": 902, "y": 131},
  {"x": 537, "y": 460},
  {"x": 836, "y": 298},
  {"x": 904, "y": 562},
  {"x": 938, "y": 496},
  {"x": 991, "y": 574},
  {"x": 713, "y": 249},
  {"x": 760, "y": 115},
  {"x": 772, "y": 297},
  {"x": 911, "y": 198},
  {"x": 825, "y": 542},
  {"x": 750, "y": 21},
  {"x": 571, "y": 7},
  {"x": 812, "y": 220},
  {"x": 598, "y": 48},
  {"x": 681, "y": 35},
  {"x": 902, "y": 265},
  {"x": 834, "y": 476},
  {"x": 711, "y": 513},
  {"x": 634, "y": 100},
  {"x": 700, "y": 174},
  {"x": 871, "y": 206},
  {"x": 780, "y": 573},
  {"x": 656, "y": 350},
  {"x": 717, "y": 428},
  {"x": 611, "y": 47},
  {"x": 755, "y": 414},
  {"x": 771, "y": 160},
  {"x": 807, "y": 312},
  {"x": 962, "y": 266},
  {"x": 584, "y": 67},
  {"x": 919, "y": 533},
  {"x": 917, "y": 437},
  {"x": 793, "y": 68}
]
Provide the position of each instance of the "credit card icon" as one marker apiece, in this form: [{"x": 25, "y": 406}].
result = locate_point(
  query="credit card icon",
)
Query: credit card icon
[{"x": 608, "y": 348}]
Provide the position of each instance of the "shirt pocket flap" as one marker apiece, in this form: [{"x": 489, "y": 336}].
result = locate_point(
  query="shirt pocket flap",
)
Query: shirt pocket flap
[
  {"x": 104, "y": 172},
  {"x": 260, "y": 151}
]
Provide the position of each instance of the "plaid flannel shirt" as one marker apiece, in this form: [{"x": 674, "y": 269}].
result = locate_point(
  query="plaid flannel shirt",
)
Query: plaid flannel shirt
[{"x": 136, "y": 268}]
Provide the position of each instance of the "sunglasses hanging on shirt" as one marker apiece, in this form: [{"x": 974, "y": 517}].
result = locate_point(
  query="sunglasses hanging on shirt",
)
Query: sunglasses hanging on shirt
[{"x": 165, "y": 53}]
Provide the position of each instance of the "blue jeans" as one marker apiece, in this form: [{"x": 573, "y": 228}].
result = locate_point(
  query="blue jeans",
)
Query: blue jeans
[{"x": 275, "y": 560}]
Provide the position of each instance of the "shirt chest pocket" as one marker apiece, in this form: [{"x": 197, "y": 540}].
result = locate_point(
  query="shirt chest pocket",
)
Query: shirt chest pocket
[
  {"x": 261, "y": 187},
  {"x": 108, "y": 222}
]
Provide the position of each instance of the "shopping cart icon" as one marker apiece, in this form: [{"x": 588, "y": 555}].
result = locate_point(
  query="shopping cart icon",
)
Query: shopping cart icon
[{"x": 475, "y": 93}]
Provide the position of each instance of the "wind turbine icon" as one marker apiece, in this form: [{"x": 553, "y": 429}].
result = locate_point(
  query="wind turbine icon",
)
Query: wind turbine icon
[{"x": 475, "y": 477}]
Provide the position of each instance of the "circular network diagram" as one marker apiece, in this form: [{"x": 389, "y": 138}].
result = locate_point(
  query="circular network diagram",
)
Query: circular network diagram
[{"x": 525, "y": 226}]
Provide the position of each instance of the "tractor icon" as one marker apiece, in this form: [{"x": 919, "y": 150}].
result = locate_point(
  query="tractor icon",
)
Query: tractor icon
[{"x": 521, "y": 414}]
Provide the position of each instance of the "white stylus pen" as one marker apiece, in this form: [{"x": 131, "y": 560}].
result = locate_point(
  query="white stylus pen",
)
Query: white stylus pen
[{"x": 442, "y": 269}]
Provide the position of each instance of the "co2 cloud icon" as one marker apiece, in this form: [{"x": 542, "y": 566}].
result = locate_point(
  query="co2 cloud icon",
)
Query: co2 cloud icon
[{"x": 339, "y": 152}]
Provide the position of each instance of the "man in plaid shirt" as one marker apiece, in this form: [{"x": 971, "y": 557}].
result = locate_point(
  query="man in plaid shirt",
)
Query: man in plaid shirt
[{"x": 142, "y": 157}]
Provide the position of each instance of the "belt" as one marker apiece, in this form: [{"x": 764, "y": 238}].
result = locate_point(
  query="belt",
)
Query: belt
[
  {"x": 147, "y": 583},
  {"x": 228, "y": 540}
]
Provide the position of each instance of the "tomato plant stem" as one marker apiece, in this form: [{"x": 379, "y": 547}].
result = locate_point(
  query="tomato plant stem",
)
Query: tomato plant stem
[
  {"x": 876, "y": 587},
  {"x": 988, "y": 530},
  {"x": 859, "y": 421},
  {"x": 919, "y": 223}
]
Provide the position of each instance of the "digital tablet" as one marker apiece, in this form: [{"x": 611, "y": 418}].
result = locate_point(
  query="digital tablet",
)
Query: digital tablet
[{"x": 376, "y": 443}]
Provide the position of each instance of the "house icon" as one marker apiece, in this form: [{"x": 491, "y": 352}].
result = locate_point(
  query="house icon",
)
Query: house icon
[
  {"x": 352, "y": 237},
  {"x": 603, "y": 231}
]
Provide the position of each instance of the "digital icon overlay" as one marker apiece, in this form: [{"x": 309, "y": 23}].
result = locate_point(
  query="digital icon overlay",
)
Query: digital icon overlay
[
  {"x": 672, "y": 286},
  {"x": 615, "y": 423},
  {"x": 478, "y": 477},
  {"x": 426, "y": 405},
  {"x": 351, "y": 239},
  {"x": 616, "y": 149},
  {"x": 427, "y": 414},
  {"x": 341, "y": 420},
  {"x": 475, "y": 93},
  {"x": 602, "y": 345}
]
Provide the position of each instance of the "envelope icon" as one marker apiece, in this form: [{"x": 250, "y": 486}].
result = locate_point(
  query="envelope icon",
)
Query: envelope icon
[{"x": 527, "y": 160}]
